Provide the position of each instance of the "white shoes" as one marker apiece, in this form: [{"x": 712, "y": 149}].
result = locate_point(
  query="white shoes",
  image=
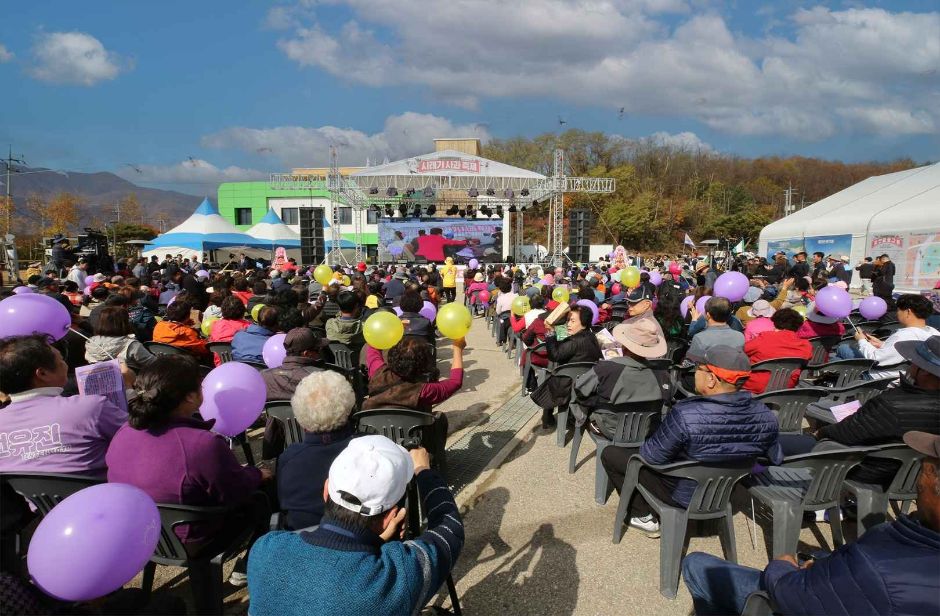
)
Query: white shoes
[{"x": 648, "y": 524}]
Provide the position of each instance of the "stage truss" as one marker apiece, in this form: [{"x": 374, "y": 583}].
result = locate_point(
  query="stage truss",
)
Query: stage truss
[{"x": 370, "y": 192}]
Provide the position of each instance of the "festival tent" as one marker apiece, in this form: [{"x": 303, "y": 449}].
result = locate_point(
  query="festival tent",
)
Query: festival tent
[
  {"x": 203, "y": 231},
  {"x": 272, "y": 231},
  {"x": 897, "y": 214}
]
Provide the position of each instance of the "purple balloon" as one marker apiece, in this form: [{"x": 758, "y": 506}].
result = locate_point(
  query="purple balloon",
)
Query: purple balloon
[
  {"x": 273, "y": 351},
  {"x": 22, "y": 291},
  {"x": 656, "y": 278},
  {"x": 33, "y": 313},
  {"x": 94, "y": 542},
  {"x": 473, "y": 264},
  {"x": 684, "y": 306},
  {"x": 700, "y": 304},
  {"x": 233, "y": 395},
  {"x": 398, "y": 310},
  {"x": 834, "y": 302},
  {"x": 873, "y": 308},
  {"x": 593, "y": 307},
  {"x": 732, "y": 286},
  {"x": 428, "y": 311}
]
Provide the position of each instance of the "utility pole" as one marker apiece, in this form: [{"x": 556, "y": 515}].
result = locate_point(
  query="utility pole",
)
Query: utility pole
[
  {"x": 9, "y": 162},
  {"x": 788, "y": 207}
]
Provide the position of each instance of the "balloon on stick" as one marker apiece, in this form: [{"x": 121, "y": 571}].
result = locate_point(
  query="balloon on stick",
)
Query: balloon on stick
[
  {"x": 207, "y": 324},
  {"x": 484, "y": 296},
  {"x": 732, "y": 286},
  {"x": 873, "y": 308},
  {"x": 94, "y": 542},
  {"x": 233, "y": 394},
  {"x": 256, "y": 311},
  {"x": 615, "y": 288},
  {"x": 274, "y": 351},
  {"x": 800, "y": 308},
  {"x": 834, "y": 302},
  {"x": 593, "y": 307},
  {"x": 382, "y": 330},
  {"x": 630, "y": 276},
  {"x": 520, "y": 305},
  {"x": 561, "y": 295},
  {"x": 454, "y": 320},
  {"x": 700, "y": 304},
  {"x": 685, "y": 304},
  {"x": 33, "y": 313},
  {"x": 656, "y": 278},
  {"x": 428, "y": 311},
  {"x": 473, "y": 264},
  {"x": 323, "y": 274}
]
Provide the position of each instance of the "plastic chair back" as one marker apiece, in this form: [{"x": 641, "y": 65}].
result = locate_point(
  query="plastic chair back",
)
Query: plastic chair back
[
  {"x": 904, "y": 484},
  {"x": 635, "y": 422},
  {"x": 222, "y": 349},
  {"x": 822, "y": 346},
  {"x": 781, "y": 370},
  {"x": 46, "y": 490},
  {"x": 398, "y": 424},
  {"x": 758, "y": 604},
  {"x": 573, "y": 369},
  {"x": 862, "y": 392},
  {"x": 828, "y": 469},
  {"x": 715, "y": 485},
  {"x": 344, "y": 356},
  {"x": 170, "y": 549},
  {"x": 847, "y": 371},
  {"x": 282, "y": 412},
  {"x": 159, "y": 348},
  {"x": 790, "y": 405}
]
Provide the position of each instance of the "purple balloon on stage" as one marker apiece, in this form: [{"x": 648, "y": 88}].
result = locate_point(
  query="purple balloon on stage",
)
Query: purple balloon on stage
[
  {"x": 732, "y": 286},
  {"x": 94, "y": 542},
  {"x": 656, "y": 278},
  {"x": 273, "y": 351},
  {"x": 684, "y": 305},
  {"x": 473, "y": 264},
  {"x": 873, "y": 308},
  {"x": 233, "y": 395},
  {"x": 593, "y": 307},
  {"x": 428, "y": 311},
  {"x": 834, "y": 302},
  {"x": 700, "y": 304},
  {"x": 22, "y": 291},
  {"x": 33, "y": 313}
]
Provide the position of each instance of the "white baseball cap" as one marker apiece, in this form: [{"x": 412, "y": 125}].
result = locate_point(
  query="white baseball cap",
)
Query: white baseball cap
[{"x": 371, "y": 475}]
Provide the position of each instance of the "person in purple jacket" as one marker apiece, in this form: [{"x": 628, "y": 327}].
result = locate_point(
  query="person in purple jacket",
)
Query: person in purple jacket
[
  {"x": 41, "y": 430},
  {"x": 175, "y": 458}
]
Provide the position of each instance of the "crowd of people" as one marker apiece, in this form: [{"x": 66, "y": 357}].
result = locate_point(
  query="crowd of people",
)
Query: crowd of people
[{"x": 339, "y": 494}]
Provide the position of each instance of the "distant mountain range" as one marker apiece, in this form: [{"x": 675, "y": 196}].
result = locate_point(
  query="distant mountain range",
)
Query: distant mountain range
[{"x": 100, "y": 190}]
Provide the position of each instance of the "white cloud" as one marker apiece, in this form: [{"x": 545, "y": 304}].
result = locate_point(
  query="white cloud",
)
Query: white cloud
[
  {"x": 832, "y": 68},
  {"x": 191, "y": 175},
  {"x": 402, "y": 135},
  {"x": 5, "y": 54},
  {"x": 74, "y": 58},
  {"x": 685, "y": 140}
]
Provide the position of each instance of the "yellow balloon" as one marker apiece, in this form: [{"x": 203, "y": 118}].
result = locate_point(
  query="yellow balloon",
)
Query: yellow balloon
[
  {"x": 561, "y": 295},
  {"x": 207, "y": 326},
  {"x": 630, "y": 276},
  {"x": 801, "y": 309},
  {"x": 454, "y": 320},
  {"x": 323, "y": 274},
  {"x": 520, "y": 305},
  {"x": 256, "y": 311},
  {"x": 345, "y": 281},
  {"x": 383, "y": 330}
]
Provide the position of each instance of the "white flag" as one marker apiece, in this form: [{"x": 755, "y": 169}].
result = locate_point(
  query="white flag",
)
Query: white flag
[{"x": 688, "y": 241}]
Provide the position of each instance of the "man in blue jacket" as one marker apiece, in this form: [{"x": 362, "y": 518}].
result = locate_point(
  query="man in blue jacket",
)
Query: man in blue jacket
[
  {"x": 723, "y": 424},
  {"x": 894, "y": 568},
  {"x": 248, "y": 344}
]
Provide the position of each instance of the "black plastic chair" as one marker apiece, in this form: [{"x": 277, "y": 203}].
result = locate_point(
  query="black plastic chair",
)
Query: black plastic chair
[
  {"x": 863, "y": 391},
  {"x": 528, "y": 367},
  {"x": 790, "y": 405},
  {"x": 46, "y": 490},
  {"x": 822, "y": 347},
  {"x": 205, "y": 567},
  {"x": 758, "y": 604},
  {"x": 510, "y": 344},
  {"x": 805, "y": 482},
  {"x": 282, "y": 412},
  {"x": 637, "y": 420},
  {"x": 841, "y": 373},
  {"x": 710, "y": 501},
  {"x": 781, "y": 371},
  {"x": 159, "y": 348},
  {"x": 344, "y": 356},
  {"x": 571, "y": 370},
  {"x": 872, "y": 501},
  {"x": 222, "y": 349}
]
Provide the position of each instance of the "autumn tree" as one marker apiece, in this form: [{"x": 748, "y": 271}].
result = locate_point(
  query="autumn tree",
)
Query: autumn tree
[{"x": 61, "y": 213}]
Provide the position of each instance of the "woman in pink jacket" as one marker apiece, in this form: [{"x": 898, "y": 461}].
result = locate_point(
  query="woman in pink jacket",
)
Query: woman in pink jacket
[{"x": 232, "y": 322}]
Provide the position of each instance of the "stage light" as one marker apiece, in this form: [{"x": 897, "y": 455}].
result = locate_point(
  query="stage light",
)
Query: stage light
[
  {"x": 461, "y": 213},
  {"x": 499, "y": 211},
  {"x": 485, "y": 210},
  {"x": 403, "y": 210},
  {"x": 512, "y": 208},
  {"x": 471, "y": 214},
  {"x": 389, "y": 212},
  {"x": 373, "y": 191},
  {"x": 410, "y": 192},
  {"x": 525, "y": 192},
  {"x": 428, "y": 192},
  {"x": 508, "y": 193},
  {"x": 534, "y": 202},
  {"x": 432, "y": 209},
  {"x": 473, "y": 192},
  {"x": 490, "y": 192},
  {"x": 416, "y": 212},
  {"x": 391, "y": 192},
  {"x": 452, "y": 210}
]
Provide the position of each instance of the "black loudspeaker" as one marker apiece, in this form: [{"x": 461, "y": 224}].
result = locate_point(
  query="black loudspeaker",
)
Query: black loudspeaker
[
  {"x": 312, "y": 248},
  {"x": 579, "y": 235}
]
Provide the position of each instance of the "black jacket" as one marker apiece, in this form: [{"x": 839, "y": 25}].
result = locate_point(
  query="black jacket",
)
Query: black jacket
[
  {"x": 582, "y": 346},
  {"x": 799, "y": 270},
  {"x": 884, "y": 419}
]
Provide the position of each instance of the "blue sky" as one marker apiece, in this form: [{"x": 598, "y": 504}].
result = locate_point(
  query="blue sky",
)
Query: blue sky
[{"x": 249, "y": 88}]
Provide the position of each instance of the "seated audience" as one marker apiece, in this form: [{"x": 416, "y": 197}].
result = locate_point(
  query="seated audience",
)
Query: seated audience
[
  {"x": 722, "y": 424},
  {"x": 817, "y": 324},
  {"x": 415, "y": 323},
  {"x": 41, "y": 430},
  {"x": 759, "y": 320},
  {"x": 232, "y": 321},
  {"x": 893, "y": 569},
  {"x": 782, "y": 342},
  {"x": 114, "y": 339},
  {"x": 248, "y": 344},
  {"x": 604, "y": 393},
  {"x": 717, "y": 331},
  {"x": 259, "y": 291},
  {"x": 912, "y": 314},
  {"x": 346, "y": 327},
  {"x": 322, "y": 403},
  {"x": 176, "y": 329},
  {"x": 355, "y": 556}
]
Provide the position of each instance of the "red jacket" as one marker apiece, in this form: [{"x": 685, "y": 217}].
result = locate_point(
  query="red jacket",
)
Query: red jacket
[
  {"x": 533, "y": 335},
  {"x": 431, "y": 247},
  {"x": 774, "y": 345}
]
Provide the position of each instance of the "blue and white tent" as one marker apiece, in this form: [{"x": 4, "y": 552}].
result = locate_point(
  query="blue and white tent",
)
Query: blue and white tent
[
  {"x": 272, "y": 231},
  {"x": 205, "y": 230}
]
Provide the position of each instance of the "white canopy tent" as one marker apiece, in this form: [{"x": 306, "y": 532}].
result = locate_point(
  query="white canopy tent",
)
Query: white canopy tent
[
  {"x": 203, "y": 231},
  {"x": 897, "y": 214}
]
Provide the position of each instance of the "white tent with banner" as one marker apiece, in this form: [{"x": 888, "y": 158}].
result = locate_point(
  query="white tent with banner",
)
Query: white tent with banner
[
  {"x": 204, "y": 231},
  {"x": 272, "y": 231},
  {"x": 897, "y": 214}
]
